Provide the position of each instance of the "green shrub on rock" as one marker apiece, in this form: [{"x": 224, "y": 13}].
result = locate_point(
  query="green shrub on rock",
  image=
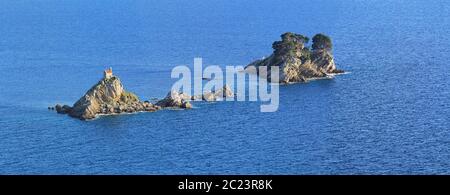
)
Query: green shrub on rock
[{"x": 322, "y": 42}]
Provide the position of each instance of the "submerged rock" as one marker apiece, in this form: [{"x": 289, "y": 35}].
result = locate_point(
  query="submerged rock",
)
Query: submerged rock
[
  {"x": 108, "y": 96},
  {"x": 296, "y": 61}
]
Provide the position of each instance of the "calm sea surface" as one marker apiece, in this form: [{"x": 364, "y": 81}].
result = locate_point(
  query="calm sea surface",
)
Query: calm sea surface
[{"x": 390, "y": 115}]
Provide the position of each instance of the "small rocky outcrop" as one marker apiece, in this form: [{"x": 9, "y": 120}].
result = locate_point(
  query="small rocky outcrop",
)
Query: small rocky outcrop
[
  {"x": 296, "y": 61},
  {"x": 222, "y": 93},
  {"x": 108, "y": 96},
  {"x": 175, "y": 99}
]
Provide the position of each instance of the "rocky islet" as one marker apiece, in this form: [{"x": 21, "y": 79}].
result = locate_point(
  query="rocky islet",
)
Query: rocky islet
[{"x": 296, "y": 61}]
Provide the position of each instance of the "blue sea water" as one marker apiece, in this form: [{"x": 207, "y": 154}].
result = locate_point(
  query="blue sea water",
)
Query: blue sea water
[{"x": 390, "y": 115}]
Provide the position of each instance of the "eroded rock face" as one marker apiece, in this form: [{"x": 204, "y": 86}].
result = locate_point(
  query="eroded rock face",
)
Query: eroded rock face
[
  {"x": 106, "y": 97},
  {"x": 324, "y": 61},
  {"x": 297, "y": 63}
]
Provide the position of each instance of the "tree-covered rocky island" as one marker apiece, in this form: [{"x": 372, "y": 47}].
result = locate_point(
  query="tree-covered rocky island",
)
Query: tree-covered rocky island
[{"x": 297, "y": 62}]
